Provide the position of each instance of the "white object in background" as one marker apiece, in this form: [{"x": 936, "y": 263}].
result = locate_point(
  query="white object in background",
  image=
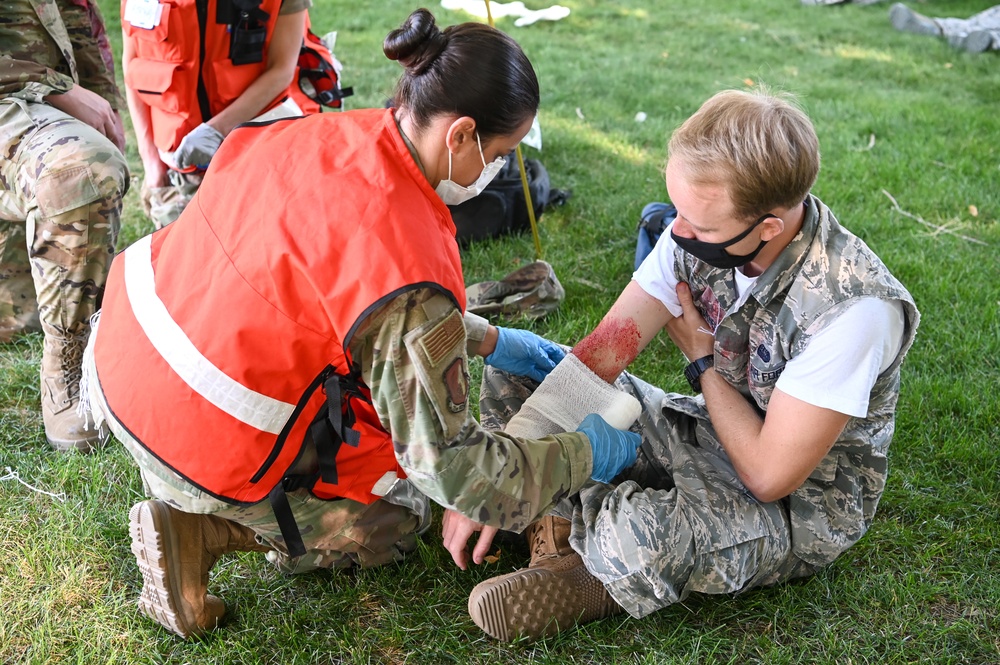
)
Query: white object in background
[
  {"x": 143, "y": 14},
  {"x": 502, "y": 9},
  {"x": 640, "y": 116},
  {"x": 553, "y": 13},
  {"x": 478, "y": 8},
  {"x": 533, "y": 139}
]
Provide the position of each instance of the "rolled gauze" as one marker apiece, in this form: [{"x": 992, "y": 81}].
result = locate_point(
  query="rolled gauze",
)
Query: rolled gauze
[{"x": 569, "y": 394}]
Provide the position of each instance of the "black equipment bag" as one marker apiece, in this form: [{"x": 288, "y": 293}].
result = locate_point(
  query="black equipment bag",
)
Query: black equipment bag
[{"x": 500, "y": 208}]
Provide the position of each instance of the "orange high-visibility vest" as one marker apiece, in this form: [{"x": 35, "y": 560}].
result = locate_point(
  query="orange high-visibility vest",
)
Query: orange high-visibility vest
[
  {"x": 220, "y": 334},
  {"x": 182, "y": 66}
]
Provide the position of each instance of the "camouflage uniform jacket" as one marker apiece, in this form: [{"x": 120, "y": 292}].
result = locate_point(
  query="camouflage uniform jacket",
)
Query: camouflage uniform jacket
[
  {"x": 488, "y": 476},
  {"x": 823, "y": 271},
  {"x": 47, "y": 46}
]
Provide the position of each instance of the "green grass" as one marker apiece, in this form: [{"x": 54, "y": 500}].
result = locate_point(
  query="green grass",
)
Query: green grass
[{"x": 894, "y": 112}]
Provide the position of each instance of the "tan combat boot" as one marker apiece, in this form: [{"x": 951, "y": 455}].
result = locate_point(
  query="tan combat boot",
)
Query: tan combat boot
[
  {"x": 175, "y": 552},
  {"x": 553, "y": 593},
  {"x": 62, "y": 357}
]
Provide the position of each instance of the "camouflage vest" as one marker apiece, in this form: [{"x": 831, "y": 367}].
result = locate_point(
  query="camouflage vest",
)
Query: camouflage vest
[{"x": 823, "y": 271}]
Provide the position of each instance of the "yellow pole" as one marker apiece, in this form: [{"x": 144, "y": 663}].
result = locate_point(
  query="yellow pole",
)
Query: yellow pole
[
  {"x": 528, "y": 201},
  {"x": 524, "y": 173}
]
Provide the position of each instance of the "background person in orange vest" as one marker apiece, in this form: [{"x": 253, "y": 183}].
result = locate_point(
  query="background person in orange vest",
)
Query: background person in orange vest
[
  {"x": 296, "y": 382},
  {"x": 182, "y": 106}
]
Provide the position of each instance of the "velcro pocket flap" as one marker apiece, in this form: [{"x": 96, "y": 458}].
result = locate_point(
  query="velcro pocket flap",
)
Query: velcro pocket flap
[{"x": 151, "y": 79}]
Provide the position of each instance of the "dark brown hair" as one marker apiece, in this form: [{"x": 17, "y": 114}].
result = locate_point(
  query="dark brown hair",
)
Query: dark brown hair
[{"x": 468, "y": 69}]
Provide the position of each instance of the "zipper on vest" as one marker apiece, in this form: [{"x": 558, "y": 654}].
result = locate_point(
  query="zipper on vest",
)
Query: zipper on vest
[
  {"x": 206, "y": 109},
  {"x": 292, "y": 419}
]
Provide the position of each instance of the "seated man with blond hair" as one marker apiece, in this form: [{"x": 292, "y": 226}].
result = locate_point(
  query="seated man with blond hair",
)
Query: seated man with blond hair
[{"x": 795, "y": 332}]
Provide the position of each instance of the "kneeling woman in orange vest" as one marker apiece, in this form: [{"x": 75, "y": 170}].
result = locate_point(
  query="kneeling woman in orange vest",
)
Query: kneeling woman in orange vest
[
  {"x": 193, "y": 71},
  {"x": 288, "y": 362}
]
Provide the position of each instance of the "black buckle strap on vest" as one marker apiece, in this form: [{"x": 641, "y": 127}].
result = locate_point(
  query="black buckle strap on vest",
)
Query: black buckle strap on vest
[
  {"x": 328, "y": 431},
  {"x": 283, "y": 511},
  {"x": 335, "y": 429},
  {"x": 290, "y": 423},
  {"x": 327, "y": 446}
]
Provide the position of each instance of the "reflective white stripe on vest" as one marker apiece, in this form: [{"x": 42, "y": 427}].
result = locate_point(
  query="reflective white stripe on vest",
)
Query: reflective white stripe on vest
[{"x": 246, "y": 405}]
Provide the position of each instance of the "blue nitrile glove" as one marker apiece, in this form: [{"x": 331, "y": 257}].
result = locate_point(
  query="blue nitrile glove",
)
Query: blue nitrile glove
[
  {"x": 614, "y": 449},
  {"x": 198, "y": 147},
  {"x": 525, "y": 353}
]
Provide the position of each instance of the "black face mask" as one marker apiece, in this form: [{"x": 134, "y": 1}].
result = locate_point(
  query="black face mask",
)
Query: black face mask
[{"x": 715, "y": 254}]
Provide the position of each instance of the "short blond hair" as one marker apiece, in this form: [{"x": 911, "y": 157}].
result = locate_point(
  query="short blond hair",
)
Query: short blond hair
[{"x": 760, "y": 146}]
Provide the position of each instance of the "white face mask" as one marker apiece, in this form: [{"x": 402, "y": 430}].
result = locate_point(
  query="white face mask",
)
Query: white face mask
[{"x": 453, "y": 193}]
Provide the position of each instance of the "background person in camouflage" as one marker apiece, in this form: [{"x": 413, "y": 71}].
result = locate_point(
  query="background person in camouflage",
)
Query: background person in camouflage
[
  {"x": 980, "y": 32},
  {"x": 797, "y": 331},
  {"x": 387, "y": 315},
  {"x": 62, "y": 179}
]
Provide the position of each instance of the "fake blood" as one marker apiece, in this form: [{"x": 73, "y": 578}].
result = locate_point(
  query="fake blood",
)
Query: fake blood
[{"x": 610, "y": 348}]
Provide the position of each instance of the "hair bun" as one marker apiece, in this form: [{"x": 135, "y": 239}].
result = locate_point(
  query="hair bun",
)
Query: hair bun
[{"x": 417, "y": 43}]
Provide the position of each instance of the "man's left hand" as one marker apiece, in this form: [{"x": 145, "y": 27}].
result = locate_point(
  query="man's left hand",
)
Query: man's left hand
[
  {"x": 456, "y": 530},
  {"x": 689, "y": 331}
]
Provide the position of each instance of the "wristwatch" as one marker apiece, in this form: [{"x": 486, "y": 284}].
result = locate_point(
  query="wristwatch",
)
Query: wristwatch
[{"x": 694, "y": 371}]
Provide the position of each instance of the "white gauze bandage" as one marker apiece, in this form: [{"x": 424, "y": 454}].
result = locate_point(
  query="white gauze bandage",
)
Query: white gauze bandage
[{"x": 569, "y": 394}]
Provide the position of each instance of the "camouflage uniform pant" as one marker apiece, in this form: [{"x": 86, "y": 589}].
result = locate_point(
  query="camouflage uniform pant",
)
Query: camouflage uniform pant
[
  {"x": 61, "y": 188},
  {"x": 163, "y": 205},
  {"x": 336, "y": 534},
  {"x": 679, "y": 520},
  {"x": 957, "y": 29}
]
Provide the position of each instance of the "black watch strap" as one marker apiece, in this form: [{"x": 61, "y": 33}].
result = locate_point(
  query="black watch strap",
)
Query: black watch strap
[{"x": 694, "y": 371}]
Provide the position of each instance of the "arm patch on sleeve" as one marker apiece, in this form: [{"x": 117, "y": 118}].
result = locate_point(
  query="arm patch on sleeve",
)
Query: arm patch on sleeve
[
  {"x": 456, "y": 380},
  {"x": 438, "y": 355},
  {"x": 441, "y": 341}
]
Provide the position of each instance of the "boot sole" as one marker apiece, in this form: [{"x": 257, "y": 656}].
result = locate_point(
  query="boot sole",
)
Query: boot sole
[
  {"x": 82, "y": 446},
  {"x": 537, "y": 603},
  {"x": 155, "y": 555}
]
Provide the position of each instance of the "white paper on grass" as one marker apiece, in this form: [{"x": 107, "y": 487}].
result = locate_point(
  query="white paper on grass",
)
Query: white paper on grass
[
  {"x": 533, "y": 139},
  {"x": 503, "y": 9}
]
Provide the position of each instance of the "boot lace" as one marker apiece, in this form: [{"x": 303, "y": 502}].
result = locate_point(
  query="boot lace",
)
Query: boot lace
[
  {"x": 541, "y": 547},
  {"x": 71, "y": 365}
]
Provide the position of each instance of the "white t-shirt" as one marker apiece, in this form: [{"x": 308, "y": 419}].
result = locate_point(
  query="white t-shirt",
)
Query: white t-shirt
[{"x": 839, "y": 366}]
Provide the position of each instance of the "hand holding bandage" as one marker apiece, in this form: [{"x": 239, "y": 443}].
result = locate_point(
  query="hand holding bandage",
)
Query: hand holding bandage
[
  {"x": 613, "y": 449},
  {"x": 571, "y": 398},
  {"x": 563, "y": 402}
]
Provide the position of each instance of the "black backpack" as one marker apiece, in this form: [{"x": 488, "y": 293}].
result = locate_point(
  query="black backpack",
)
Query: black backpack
[{"x": 500, "y": 208}]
